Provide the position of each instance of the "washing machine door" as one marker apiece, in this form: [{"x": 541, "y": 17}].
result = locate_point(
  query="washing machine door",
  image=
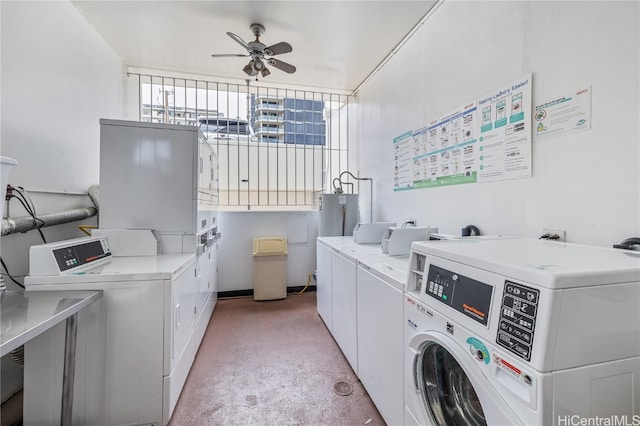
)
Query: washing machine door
[{"x": 454, "y": 390}]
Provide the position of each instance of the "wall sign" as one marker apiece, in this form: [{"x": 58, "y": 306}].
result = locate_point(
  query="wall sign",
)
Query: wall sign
[
  {"x": 403, "y": 164},
  {"x": 484, "y": 140},
  {"x": 566, "y": 114}
]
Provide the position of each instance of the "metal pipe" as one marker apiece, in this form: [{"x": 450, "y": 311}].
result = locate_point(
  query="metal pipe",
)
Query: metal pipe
[
  {"x": 27, "y": 223},
  {"x": 94, "y": 195},
  {"x": 370, "y": 189}
]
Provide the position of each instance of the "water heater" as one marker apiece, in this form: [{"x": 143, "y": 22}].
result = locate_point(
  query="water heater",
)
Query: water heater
[{"x": 338, "y": 214}]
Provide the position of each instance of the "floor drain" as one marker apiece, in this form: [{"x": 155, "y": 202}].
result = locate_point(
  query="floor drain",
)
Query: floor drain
[{"x": 343, "y": 388}]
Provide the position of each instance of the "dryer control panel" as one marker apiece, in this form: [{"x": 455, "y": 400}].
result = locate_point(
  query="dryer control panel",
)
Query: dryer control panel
[{"x": 467, "y": 296}]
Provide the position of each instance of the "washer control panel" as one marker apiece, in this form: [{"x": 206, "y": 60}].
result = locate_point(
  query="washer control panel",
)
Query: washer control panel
[
  {"x": 81, "y": 254},
  {"x": 467, "y": 296},
  {"x": 518, "y": 319},
  {"x": 68, "y": 257}
]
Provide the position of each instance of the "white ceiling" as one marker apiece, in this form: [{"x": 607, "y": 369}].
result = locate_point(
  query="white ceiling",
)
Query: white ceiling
[{"x": 336, "y": 44}]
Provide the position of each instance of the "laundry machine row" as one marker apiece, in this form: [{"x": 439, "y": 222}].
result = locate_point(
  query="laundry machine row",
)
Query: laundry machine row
[
  {"x": 519, "y": 331},
  {"x": 359, "y": 297}
]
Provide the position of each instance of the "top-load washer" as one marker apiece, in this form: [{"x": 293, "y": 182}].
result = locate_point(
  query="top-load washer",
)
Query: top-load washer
[
  {"x": 518, "y": 331},
  {"x": 135, "y": 345},
  {"x": 379, "y": 294}
]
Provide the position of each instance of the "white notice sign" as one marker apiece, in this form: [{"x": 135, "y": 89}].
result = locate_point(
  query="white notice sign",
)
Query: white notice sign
[{"x": 566, "y": 114}]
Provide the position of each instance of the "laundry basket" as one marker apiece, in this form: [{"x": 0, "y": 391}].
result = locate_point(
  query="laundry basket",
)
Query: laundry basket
[{"x": 269, "y": 268}]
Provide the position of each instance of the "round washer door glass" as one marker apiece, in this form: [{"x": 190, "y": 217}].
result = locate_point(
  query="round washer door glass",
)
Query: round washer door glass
[{"x": 446, "y": 390}]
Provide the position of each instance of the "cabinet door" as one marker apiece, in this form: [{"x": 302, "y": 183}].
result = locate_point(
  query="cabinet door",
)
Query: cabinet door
[
  {"x": 213, "y": 253},
  {"x": 343, "y": 284},
  {"x": 138, "y": 164},
  {"x": 204, "y": 280},
  {"x": 323, "y": 289},
  {"x": 183, "y": 305},
  {"x": 380, "y": 343}
]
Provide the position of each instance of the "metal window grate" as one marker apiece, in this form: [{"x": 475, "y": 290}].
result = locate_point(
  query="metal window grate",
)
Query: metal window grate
[{"x": 277, "y": 148}]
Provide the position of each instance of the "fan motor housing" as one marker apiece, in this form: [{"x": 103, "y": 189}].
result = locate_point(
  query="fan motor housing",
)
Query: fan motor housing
[{"x": 257, "y": 29}]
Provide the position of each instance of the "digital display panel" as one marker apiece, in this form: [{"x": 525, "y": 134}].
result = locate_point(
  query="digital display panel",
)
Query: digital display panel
[{"x": 467, "y": 296}]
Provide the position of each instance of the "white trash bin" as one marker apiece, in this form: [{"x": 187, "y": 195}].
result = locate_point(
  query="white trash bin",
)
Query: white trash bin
[{"x": 269, "y": 268}]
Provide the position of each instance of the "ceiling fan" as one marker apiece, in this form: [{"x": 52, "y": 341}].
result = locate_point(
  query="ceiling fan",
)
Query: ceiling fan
[{"x": 260, "y": 54}]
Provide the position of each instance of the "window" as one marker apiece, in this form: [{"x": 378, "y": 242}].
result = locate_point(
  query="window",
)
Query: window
[{"x": 277, "y": 148}]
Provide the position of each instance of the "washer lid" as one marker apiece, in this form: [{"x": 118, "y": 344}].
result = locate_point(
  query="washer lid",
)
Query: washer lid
[
  {"x": 129, "y": 268},
  {"x": 548, "y": 264},
  {"x": 391, "y": 269}
]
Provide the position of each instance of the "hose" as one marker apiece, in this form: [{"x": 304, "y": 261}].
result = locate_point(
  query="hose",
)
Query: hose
[
  {"x": 306, "y": 285},
  {"x": 84, "y": 228}
]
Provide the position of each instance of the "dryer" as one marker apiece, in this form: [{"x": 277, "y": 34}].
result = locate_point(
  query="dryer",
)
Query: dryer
[{"x": 518, "y": 331}]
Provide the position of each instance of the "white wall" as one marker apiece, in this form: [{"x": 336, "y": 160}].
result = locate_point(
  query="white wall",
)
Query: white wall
[
  {"x": 58, "y": 78},
  {"x": 235, "y": 267},
  {"x": 587, "y": 183}
]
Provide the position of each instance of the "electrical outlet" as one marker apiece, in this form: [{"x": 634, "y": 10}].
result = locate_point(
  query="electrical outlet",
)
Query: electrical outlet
[{"x": 552, "y": 232}]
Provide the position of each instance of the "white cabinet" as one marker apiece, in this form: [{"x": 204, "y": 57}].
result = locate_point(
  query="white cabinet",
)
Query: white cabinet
[
  {"x": 380, "y": 343},
  {"x": 343, "y": 301},
  {"x": 323, "y": 287}
]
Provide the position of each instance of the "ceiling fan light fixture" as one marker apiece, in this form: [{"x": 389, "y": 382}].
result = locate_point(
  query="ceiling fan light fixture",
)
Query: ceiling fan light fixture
[
  {"x": 258, "y": 65},
  {"x": 249, "y": 69},
  {"x": 257, "y": 51}
]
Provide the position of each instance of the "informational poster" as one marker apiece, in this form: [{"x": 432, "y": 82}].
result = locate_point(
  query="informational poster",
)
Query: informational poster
[
  {"x": 504, "y": 132},
  {"x": 442, "y": 153},
  {"x": 403, "y": 156},
  {"x": 485, "y": 140},
  {"x": 564, "y": 115}
]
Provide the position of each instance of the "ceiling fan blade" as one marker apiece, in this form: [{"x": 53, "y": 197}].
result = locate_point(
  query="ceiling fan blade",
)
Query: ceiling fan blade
[
  {"x": 282, "y": 66},
  {"x": 226, "y": 55},
  {"x": 278, "y": 48},
  {"x": 239, "y": 40}
]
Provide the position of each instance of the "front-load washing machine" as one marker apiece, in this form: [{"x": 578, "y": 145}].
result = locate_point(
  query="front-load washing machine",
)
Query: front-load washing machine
[
  {"x": 518, "y": 331},
  {"x": 444, "y": 382}
]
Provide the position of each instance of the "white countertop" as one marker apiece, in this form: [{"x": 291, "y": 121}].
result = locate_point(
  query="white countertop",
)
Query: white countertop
[{"x": 24, "y": 316}]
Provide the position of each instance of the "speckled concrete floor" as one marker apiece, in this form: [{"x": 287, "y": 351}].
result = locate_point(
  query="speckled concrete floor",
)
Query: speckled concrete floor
[{"x": 271, "y": 363}]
